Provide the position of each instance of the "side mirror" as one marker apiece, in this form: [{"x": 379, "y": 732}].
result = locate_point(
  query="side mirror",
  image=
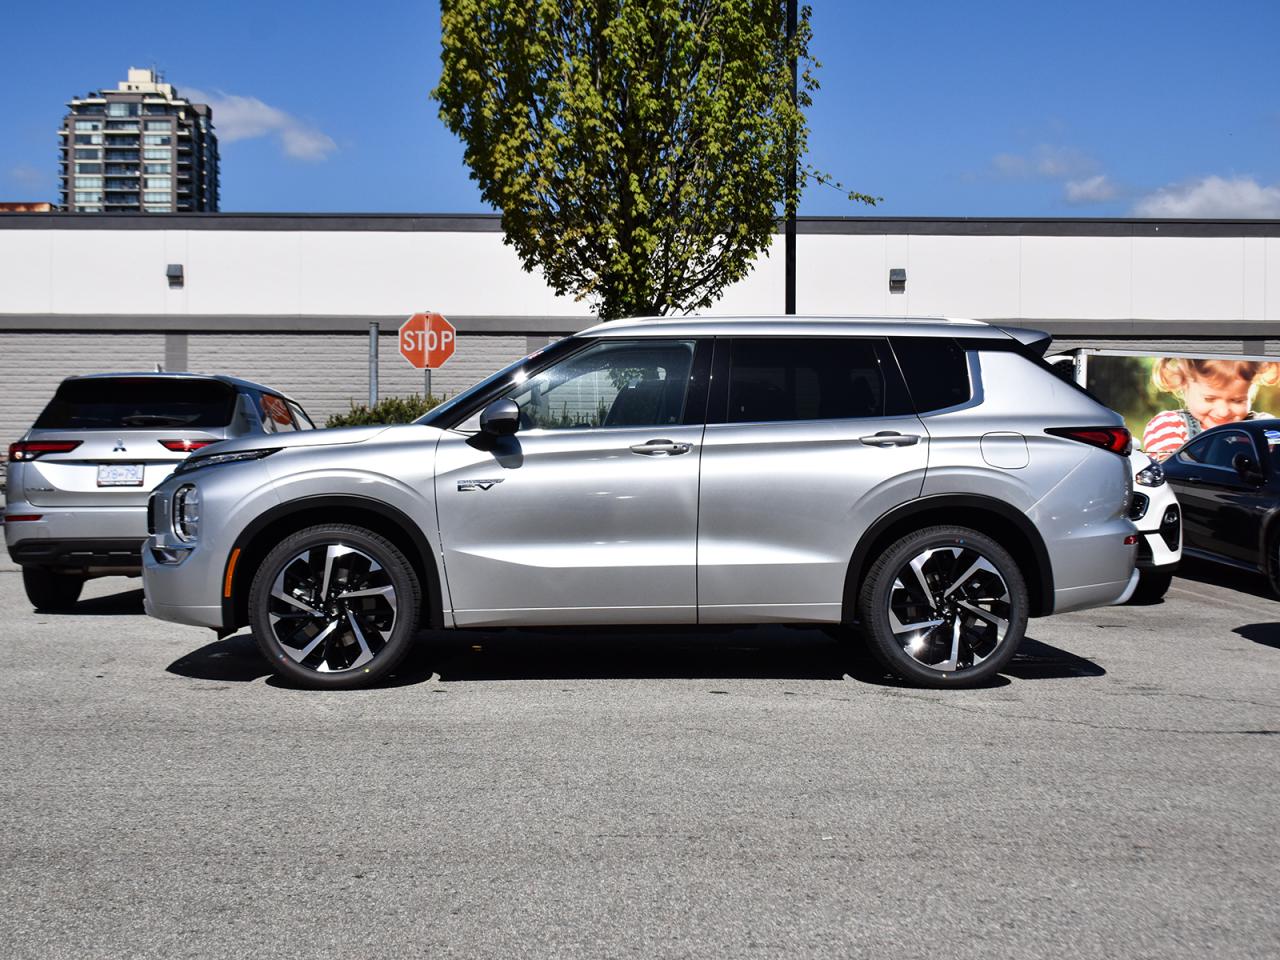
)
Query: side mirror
[
  {"x": 1246, "y": 467},
  {"x": 500, "y": 418}
]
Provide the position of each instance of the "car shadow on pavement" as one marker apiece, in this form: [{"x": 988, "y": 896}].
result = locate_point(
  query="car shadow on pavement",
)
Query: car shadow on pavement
[
  {"x": 1220, "y": 575},
  {"x": 762, "y": 653},
  {"x": 127, "y": 604},
  {"x": 1266, "y": 634}
]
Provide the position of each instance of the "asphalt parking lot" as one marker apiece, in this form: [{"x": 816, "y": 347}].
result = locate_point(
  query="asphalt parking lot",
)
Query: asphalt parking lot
[{"x": 747, "y": 793}]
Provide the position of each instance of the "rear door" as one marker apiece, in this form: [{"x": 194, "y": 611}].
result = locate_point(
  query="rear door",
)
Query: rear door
[
  {"x": 815, "y": 439},
  {"x": 130, "y": 432}
]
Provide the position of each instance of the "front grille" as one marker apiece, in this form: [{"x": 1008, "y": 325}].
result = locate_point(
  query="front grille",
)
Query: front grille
[
  {"x": 1171, "y": 526},
  {"x": 1138, "y": 506}
]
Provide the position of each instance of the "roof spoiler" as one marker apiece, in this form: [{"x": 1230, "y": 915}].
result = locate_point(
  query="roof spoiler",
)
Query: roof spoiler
[{"x": 1037, "y": 341}]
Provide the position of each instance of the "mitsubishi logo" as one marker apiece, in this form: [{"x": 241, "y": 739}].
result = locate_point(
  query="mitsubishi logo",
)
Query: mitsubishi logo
[
  {"x": 119, "y": 447},
  {"x": 465, "y": 485}
]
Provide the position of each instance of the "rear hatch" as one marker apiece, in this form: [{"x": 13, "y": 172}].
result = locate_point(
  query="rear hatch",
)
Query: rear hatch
[{"x": 129, "y": 433}]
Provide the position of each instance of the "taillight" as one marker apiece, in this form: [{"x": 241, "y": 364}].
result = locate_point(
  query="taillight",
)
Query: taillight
[
  {"x": 179, "y": 446},
  {"x": 34, "y": 449},
  {"x": 1115, "y": 439}
]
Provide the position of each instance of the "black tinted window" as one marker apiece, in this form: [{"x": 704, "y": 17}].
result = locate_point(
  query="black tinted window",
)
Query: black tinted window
[
  {"x": 936, "y": 370},
  {"x": 139, "y": 402},
  {"x": 1219, "y": 449},
  {"x": 820, "y": 378}
]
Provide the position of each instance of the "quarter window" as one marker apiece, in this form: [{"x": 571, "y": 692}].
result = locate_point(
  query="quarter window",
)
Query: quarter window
[
  {"x": 611, "y": 384},
  {"x": 936, "y": 370},
  {"x": 774, "y": 379}
]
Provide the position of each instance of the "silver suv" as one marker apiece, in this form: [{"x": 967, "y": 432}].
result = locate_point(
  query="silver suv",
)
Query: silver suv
[
  {"x": 927, "y": 485},
  {"x": 78, "y": 481}
]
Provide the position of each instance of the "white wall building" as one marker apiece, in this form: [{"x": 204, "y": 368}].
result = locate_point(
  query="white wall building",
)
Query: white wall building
[{"x": 288, "y": 299}]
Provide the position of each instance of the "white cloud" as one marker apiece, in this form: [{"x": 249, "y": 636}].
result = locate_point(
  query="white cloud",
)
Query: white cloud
[
  {"x": 1046, "y": 162},
  {"x": 1238, "y": 197},
  {"x": 246, "y": 118},
  {"x": 1096, "y": 189}
]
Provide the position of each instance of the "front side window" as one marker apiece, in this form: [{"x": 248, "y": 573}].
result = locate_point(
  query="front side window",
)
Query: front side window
[
  {"x": 614, "y": 383},
  {"x": 773, "y": 379},
  {"x": 1219, "y": 449}
]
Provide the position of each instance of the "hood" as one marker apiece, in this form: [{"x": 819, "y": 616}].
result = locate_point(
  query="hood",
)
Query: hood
[{"x": 302, "y": 438}]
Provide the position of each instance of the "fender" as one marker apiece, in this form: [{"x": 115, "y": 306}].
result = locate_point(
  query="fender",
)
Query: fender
[
  {"x": 949, "y": 501},
  {"x": 426, "y": 555}
]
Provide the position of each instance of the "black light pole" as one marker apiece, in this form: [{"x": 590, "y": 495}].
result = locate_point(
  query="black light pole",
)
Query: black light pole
[{"x": 791, "y": 173}]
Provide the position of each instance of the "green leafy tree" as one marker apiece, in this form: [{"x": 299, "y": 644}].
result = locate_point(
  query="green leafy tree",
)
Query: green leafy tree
[{"x": 639, "y": 150}]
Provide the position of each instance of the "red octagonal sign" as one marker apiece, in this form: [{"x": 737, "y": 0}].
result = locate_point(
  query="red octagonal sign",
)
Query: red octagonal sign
[{"x": 427, "y": 340}]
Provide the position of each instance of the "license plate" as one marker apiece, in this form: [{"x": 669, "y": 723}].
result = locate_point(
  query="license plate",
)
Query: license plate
[{"x": 119, "y": 474}]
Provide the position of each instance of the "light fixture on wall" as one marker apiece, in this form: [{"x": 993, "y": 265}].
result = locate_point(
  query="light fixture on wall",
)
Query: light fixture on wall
[
  {"x": 174, "y": 272},
  {"x": 897, "y": 280}
]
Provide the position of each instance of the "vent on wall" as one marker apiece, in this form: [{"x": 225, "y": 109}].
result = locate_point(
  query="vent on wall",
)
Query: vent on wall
[
  {"x": 174, "y": 272},
  {"x": 897, "y": 280}
]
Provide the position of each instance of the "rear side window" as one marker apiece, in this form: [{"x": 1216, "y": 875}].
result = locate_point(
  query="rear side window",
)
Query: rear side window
[
  {"x": 936, "y": 370},
  {"x": 115, "y": 403},
  {"x": 775, "y": 379}
]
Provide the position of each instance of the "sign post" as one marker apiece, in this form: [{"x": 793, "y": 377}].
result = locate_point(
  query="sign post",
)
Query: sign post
[{"x": 427, "y": 340}]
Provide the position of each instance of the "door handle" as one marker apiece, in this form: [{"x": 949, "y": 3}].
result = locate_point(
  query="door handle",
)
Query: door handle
[
  {"x": 890, "y": 438},
  {"x": 660, "y": 448}
]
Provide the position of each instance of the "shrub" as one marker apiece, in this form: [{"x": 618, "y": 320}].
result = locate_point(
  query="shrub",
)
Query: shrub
[{"x": 390, "y": 410}]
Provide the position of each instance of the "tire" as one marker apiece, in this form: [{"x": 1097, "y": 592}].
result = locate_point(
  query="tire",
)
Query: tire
[
  {"x": 971, "y": 620},
  {"x": 327, "y": 637},
  {"x": 1153, "y": 584},
  {"x": 51, "y": 591}
]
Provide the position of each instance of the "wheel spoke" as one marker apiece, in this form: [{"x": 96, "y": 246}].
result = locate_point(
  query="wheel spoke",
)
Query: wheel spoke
[
  {"x": 365, "y": 653},
  {"x": 897, "y": 626},
  {"x": 280, "y": 594},
  {"x": 999, "y": 623},
  {"x": 917, "y": 567},
  {"x": 315, "y": 642},
  {"x": 981, "y": 563}
]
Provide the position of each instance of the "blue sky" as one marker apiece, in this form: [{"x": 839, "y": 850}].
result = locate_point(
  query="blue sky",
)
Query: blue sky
[{"x": 1021, "y": 109}]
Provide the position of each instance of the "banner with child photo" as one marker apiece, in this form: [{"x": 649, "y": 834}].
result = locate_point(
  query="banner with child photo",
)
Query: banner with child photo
[{"x": 1167, "y": 400}]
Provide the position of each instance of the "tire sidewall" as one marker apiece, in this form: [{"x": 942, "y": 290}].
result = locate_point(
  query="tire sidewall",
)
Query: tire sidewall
[
  {"x": 874, "y": 597},
  {"x": 408, "y": 602}
]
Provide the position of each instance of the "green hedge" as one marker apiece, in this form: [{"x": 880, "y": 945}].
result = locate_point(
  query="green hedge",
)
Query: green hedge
[{"x": 390, "y": 410}]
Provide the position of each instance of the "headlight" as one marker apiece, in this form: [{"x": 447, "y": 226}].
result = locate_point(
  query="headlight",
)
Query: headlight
[
  {"x": 213, "y": 459},
  {"x": 1151, "y": 476},
  {"x": 186, "y": 513}
]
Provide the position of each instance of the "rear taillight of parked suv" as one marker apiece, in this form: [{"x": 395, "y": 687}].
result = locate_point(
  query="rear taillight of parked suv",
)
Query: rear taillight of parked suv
[
  {"x": 1115, "y": 439},
  {"x": 35, "y": 449},
  {"x": 185, "y": 446}
]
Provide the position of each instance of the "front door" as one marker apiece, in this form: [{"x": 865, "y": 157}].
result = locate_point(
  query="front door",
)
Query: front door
[{"x": 589, "y": 513}]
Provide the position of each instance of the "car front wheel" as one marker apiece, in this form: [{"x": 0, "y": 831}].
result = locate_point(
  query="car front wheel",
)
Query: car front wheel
[
  {"x": 335, "y": 606},
  {"x": 944, "y": 606}
]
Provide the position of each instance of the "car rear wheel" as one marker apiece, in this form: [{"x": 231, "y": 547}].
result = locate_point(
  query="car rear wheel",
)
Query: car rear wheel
[
  {"x": 50, "y": 590},
  {"x": 335, "y": 606},
  {"x": 944, "y": 606}
]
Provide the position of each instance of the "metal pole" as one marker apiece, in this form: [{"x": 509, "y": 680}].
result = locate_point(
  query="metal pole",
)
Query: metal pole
[
  {"x": 426, "y": 383},
  {"x": 373, "y": 364},
  {"x": 791, "y": 174}
]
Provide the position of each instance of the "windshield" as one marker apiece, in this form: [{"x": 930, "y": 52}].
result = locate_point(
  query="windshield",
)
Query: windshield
[
  {"x": 453, "y": 411},
  {"x": 111, "y": 403}
]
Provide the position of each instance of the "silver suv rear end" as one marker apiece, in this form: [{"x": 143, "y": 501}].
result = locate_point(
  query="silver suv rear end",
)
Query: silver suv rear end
[{"x": 79, "y": 479}]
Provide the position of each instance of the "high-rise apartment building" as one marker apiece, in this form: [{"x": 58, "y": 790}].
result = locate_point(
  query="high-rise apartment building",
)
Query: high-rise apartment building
[{"x": 138, "y": 148}]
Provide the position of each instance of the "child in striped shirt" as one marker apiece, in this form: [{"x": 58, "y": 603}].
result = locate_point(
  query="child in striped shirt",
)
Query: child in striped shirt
[{"x": 1213, "y": 392}]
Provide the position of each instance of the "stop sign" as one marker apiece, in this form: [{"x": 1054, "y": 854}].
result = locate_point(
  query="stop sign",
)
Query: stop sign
[{"x": 427, "y": 340}]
